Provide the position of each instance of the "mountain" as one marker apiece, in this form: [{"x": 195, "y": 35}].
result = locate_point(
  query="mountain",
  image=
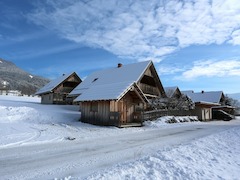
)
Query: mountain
[{"x": 14, "y": 78}]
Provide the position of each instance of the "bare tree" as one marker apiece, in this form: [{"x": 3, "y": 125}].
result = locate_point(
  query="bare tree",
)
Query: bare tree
[{"x": 231, "y": 102}]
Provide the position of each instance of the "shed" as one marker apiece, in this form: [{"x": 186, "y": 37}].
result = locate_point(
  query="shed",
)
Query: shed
[
  {"x": 206, "y": 102},
  {"x": 56, "y": 91},
  {"x": 204, "y": 110}
]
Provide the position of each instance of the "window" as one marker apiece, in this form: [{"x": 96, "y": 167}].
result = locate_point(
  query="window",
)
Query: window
[{"x": 94, "y": 107}]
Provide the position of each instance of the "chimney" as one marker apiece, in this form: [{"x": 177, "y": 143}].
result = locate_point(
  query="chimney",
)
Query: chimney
[{"x": 119, "y": 65}]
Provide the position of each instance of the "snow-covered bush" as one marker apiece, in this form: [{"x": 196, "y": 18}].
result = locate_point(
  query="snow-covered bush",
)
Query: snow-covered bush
[
  {"x": 171, "y": 119},
  {"x": 172, "y": 103}
]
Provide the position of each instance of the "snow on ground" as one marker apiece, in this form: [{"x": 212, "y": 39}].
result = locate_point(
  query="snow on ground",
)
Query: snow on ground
[
  {"x": 213, "y": 157},
  {"x": 24, "y": 121}
]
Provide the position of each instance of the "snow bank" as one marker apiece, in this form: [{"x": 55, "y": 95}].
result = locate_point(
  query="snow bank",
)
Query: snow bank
[
  {"x": 24, "y": 120},
  {"x": 28, "y": 109},
  {"x": 11, "y": 98},
  {"x": 213, "y": 157},
  {"x": 15, "y": 114},
  {"x": 170, "y": 119},
  {"x": 47, "y": 114}
]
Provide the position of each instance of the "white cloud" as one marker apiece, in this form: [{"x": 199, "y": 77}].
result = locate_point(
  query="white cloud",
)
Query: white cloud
[
  {"x": 167, "y": 70},
  {"x": 28, "y": 54},
  {"x": 142, "y": 29},
  {"x": 211, "y": 68},
  {"x": 235, "y": 38}
]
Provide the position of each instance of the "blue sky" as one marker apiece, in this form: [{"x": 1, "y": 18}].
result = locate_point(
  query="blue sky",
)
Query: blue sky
[{"x": 193, "y": 44}]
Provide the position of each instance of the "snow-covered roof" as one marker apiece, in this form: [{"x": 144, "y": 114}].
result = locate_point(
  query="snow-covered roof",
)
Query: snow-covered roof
[
  {"x": 105, "y": 92},
  {"x": 208, "y": 103},
  {"x": 110, "y": 83},
  {"x": 170, "y": 90},
  {"x": 209, "y": 96},
  {"x": 53, "y": 84}
]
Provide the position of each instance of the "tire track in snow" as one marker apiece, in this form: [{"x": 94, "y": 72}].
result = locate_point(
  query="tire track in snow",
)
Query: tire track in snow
[
  {"x": 44, "y": 161},
  {"x": 37, "y": 134}
]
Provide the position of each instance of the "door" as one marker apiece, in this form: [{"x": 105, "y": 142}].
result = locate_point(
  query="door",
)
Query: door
[
  {"x": 125, "y": 112},
  {"x": 122, "y": 111}
]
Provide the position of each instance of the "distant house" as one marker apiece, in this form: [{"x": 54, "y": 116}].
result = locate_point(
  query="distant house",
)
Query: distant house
[
  {"x": 176, "y": 102},
  {"x": 3, "y": 88},
  {"x": 56, "y": 91},
  {"x": 205, "y": 102},
  {"x": 206, "y": 96},
  {"x": 3, "y": 91},
  {"x": 116, "y": 96},
  {"x": 172, "y": 92},
  {"x": 14, "y": 93}
]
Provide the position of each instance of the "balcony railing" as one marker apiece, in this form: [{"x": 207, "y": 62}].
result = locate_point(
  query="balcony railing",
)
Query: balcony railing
[{"x": 147, "y": 89}]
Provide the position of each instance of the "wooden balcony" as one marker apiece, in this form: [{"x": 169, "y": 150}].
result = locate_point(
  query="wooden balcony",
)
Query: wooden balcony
[{"x": 147, "y": 89}]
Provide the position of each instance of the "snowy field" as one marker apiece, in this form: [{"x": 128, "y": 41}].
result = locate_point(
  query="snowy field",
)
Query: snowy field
[{"x": 48, "y": 142}]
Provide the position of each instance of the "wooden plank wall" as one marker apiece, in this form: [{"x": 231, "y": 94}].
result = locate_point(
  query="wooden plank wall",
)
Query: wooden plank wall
[
  {"x": 117, "y": 106},
  {"x": 99, "y": 117},
  {"x": 122, "y": 111},
  {"x": 47, "y": 98},
  {"x": 148, "y": 72}
]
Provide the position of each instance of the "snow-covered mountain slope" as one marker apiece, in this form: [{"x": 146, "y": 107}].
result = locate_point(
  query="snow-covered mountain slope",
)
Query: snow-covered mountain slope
[{"x": 15, "y": 78}]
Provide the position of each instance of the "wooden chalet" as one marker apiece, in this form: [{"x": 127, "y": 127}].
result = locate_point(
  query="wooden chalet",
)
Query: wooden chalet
[
  {"x": 117, "y": 96},
  {"x": 172, "y": 92},
  {"x": 207, "y": 102},
  {"x": 56, "y": 91}
]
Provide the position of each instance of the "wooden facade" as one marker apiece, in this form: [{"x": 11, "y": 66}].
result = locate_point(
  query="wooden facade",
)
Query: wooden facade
[
  {"x": 120, "y": 112},
  {"x": 150, "y": 83},
  {"x": 173, "y": 92},
  {"x": 177, "y": 94},
  {"x": 203, "y": 111}
]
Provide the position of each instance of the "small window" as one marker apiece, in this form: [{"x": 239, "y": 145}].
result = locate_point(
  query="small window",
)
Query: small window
[
  {"x": 94, "y": 107},
  {"x": 95, "y": 80}
]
